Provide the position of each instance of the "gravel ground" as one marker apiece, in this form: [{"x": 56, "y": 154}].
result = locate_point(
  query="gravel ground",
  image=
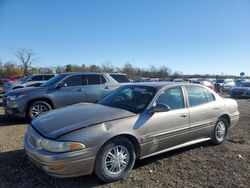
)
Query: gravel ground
[{"x": 201, "y": 165}]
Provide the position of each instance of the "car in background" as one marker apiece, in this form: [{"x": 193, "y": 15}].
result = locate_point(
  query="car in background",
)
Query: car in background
[
  {"x": 133, "y": 122},
  {"x": 61, "y": 90},
  {"x": 178, "y": 80},
  {"x": 2, "y": 81},
  {"x": 242, "y": 90},
  {"x": 239, "y": 81},
  {"x": 207, "y": 83},
  {"x": 223, "y": 85},
  {"x": 8, "y": 79},
  {"x": 227, "y": 85},
  {"x": 27, "y": 81}
]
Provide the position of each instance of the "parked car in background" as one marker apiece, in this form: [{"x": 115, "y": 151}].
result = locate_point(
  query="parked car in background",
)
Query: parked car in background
[
  {"x": 62, "y": 90},
  {"x": 242, "y": 90},
  {"x": 133, "y": 122},
  {"x": 7, "y": 79},
  {"x": 27, "y": 81},
  {"x": 223, "y": 85},
  {"x": 178, "y": 80},
  {"x": 208, "y": 84},
  {"x": 2, "y": 80},
  {"x": 227, "y": 85},
  {"x": 239, "y": 81}
]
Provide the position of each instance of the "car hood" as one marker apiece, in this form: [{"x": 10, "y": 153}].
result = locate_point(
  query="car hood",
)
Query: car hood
[
  {"x": 23, "y": 90},
  {"x": 61, "y": 121}
]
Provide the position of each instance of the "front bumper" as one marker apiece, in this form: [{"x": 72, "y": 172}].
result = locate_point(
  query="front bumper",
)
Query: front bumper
[
  {"x": 14, "y": 108},
  {"x": 74, "y": 164}
]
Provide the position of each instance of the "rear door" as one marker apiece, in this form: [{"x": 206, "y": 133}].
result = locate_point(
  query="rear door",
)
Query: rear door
[
  {"x": 70, "y": 91},
  {"x": 203, "y": 110},
  {"x": 97, "y": 87}
]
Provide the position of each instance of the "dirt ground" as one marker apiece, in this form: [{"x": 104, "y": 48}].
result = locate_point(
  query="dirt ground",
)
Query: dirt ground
[{"x": 201, "y": 165}]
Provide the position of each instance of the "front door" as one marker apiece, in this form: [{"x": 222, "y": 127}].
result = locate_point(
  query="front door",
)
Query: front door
[
  {"x": 167, "y": 129},
  {"x": 70, "y": 91}
]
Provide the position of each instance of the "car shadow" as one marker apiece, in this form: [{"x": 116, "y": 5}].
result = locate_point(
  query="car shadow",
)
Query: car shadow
[
  {"x": 18, "y": 171},
  {"x": 8, "y": 121},
  {"x": 169, "y": 154}
]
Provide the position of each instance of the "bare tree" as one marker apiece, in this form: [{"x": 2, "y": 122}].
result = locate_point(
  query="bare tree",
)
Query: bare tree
[
  {"x": 26, "y": 58},
  {"x": 128, "y": 69},
  {"x": 107, "y": 67}
]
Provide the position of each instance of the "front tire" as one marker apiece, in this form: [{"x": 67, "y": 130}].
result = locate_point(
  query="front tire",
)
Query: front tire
[
  {"x": 37, "y": 108},
  {"x": 220, "y": 131},
  {"x": 115, "y": 159}
]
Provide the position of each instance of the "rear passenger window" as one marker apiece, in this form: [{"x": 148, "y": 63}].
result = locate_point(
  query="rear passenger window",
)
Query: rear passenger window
[
  {"x": 103, "y": 79},
  {"x": 76, "y": 80},
  {"x": 47, "y": 77},
  {"x": 36, "y": 78},
  {"x": 120, "y": 78},
  {"x": 93, "y": 79},
  {"x": 172, "y": 97},
  {"x": 210, "y": 96},
  {"x": 196, "y": 95}
]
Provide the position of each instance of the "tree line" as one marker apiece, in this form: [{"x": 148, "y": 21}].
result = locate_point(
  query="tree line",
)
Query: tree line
[{"x": 26, "y": 59}]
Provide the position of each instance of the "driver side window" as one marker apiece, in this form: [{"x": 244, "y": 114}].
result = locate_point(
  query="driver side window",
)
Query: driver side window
[
  {"x": 76, "y": 80},
  {"x": 172, "y": 97}
]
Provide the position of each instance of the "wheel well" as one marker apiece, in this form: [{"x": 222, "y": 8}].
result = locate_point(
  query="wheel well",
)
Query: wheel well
[
  {"x": 133, "y": 140},
  {"x": 41, "y": 99},
  {"x": 227, "y": 118}
]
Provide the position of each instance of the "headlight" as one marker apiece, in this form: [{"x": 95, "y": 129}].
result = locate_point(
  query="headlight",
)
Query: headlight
[
  {"x": 16, "y": 97},
  {"x": 57, "y": 146}
]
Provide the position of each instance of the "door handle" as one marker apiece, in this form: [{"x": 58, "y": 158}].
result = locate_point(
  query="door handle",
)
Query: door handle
[
  {"x": 183, "y": 115},
  {"x": 107, "y": 87},
  {"x": 216, "y": 108}
]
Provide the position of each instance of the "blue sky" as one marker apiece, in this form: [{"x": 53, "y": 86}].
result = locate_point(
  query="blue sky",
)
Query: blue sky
[{"x": 191, "y": 36}]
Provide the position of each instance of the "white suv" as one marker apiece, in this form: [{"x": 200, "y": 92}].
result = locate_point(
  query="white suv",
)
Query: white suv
[{"x": 27, "y": 81}]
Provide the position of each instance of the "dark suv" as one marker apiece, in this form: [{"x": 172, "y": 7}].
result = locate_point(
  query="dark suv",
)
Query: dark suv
[{"x": 61, "y": 90}]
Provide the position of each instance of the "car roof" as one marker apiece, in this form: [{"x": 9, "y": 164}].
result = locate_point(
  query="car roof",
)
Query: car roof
[
  {"x": 100, "y": 73},
  {"x": 160, "y": 85}
]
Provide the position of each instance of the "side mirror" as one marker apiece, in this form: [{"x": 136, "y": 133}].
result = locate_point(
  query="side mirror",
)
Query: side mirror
[
  {"x": 61, "y": 85},
  {"x": 159, "y": 108}
]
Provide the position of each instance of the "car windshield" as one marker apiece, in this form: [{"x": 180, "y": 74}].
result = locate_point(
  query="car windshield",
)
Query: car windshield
[
  {"x": 219, "y": 81},
  {"x": 132, "y": 98},
  {"x": 23, "y": 78},
  {"x": 53, "y": 80}
]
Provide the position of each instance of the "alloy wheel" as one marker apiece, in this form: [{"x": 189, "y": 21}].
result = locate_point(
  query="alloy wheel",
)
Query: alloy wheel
[{"x": 116, "y": 160}]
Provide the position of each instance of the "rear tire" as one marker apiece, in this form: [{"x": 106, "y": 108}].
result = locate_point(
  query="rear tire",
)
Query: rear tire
[
  {"x": 37, "y": 108},
  {"x": 115, "y": 159},
  {"x": 220, "y": 131}
]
